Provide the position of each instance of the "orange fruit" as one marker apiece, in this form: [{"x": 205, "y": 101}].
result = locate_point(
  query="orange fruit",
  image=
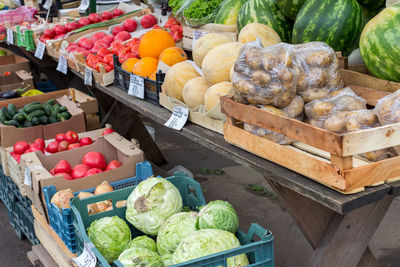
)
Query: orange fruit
[
  {"x": 129, "y": 64},
  {"x": 173, "y": 55},
  {"x": 153, "y": 76},
  {"x": 154, "y": 42},
  {"x": 145, "y": 67}
]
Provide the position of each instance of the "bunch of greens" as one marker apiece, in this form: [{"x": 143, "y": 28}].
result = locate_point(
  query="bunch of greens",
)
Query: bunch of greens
[
  {"x": 175, "y": 5},
  {"x": 200, "y": 9}
]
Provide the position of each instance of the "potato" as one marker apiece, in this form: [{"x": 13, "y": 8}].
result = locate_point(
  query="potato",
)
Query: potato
[
  {"x": 284, "y": 98},
  {"x": 284, "y": 74},
  {"x": 274, "y": 110},
  {"x": 243, "y": 86},
  {"x": 320, "y": 58},
  {"x": 309, "y": 95},
  {"x": 353, "y": 124},
  {"x": 334, "y": 124},
  {"x": 254, "y": 57},
  {"x": 295, "y": 108},
  {"x": 261, "y": 78},
  {"x": 268, "y": 61},
  {"x": 321, "y": 109}
]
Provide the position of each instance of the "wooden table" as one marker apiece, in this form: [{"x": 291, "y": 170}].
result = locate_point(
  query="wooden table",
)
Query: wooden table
[{"x": 337, "y": 226}]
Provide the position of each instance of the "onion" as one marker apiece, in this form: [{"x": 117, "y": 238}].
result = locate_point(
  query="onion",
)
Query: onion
[
  {"x": 83, "y": 195},
  {"x": 102, "y": 188},
  {"x": 61, "y": 198},
  {"x": 103, "y": 206}
]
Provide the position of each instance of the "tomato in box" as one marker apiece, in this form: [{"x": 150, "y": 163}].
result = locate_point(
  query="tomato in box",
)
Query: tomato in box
[
  {"x": 52, "y": 147},
  {"x": 109, "y": 59},
  {"x": 94, "y": 159},
  {"x": 84, "y": 21},
  {"x": 118, "y": 12},
  {"x": 16, "y": 156},
  {"x": 71, "y": 137},
  {"x": 98, "y": 35},
  {"x": 72, "y": 146},
  {"x": 107, "y": 131},
  {"x": 70, "y": 26},
  {"x": 59, "y": 29},
  {"x": 117, "y": 29},
  {"x": 36, "y": 147},
  {"x": 60, "y": 137},
  {"x": 63, "y": 146},
  {"x": 86, "y": 43},
  {"x": 114, "y": 164},
  {"x": 148, "y": 21},
  {"x": 106, "y": 15},
  {"x": 94, "y": 18},
  {"x": 62, "y": 166},
  {"x": 49, "y": 33},
  {"x": 20, "y": 147},
  {"x": 130, "y": 25},
  {"x": 93, "y": 171},
  {"x": 86, "y": 141},
  {"x": 102, "y": 52},
  {"x": 79, "y": 171},
  {"x": 123, "y": 36},
  {"x": 108, "y": 39},
  {"x": 66, "y": 176}
]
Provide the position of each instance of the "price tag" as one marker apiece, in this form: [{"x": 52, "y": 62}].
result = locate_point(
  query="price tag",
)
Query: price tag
[
  {"x": 47, "y": 4},
  {"x": 40, "y": 50},
  {"x": 178, "y": 118},
  {"x": 87, "y": 258},
  {"x": 136, "y": 86},
  {"x": 62, "y": 65},
  {"x": 17, "y": 2},
  {"x": 28, "y": 177},
  {"x": 196, "y": 36},
  {"x": 88, "y": 76},
  {"x": 10, "y": 36},
  {"x": 39, "y": 2},
  {"x": 83, "y": 6}
]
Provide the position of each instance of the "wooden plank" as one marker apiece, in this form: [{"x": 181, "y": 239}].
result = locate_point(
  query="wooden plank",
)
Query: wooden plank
[
  {"x": 39, "y": 256},
  {"x": 371, "y": 139},
  {"x": 368, "y": 260},
  {"x": 347, "y": 237},
  {"x": 287, "y": 156},
  {"x": 371, "y": 95},
  {"x": 344, "y": 163},
  {"x": 300, "y": 131},
  {"x": 353, "y": 77}
]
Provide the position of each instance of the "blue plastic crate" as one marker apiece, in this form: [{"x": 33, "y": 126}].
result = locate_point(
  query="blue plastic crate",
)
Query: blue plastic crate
[
  {"x": 3, "y": 186},
  {"x": 61, "y": 221},
  {"x": 23, "y": 220},
  {"x": 260, "y": 253},
  {"x": 14, "y": 190}
]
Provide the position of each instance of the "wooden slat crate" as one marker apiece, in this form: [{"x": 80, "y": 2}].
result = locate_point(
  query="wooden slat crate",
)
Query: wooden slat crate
[{"x": 324, "y": 156}]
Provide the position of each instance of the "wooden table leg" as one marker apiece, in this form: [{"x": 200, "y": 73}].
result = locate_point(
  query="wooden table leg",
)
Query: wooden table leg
[{"x": 338, "y": 240}]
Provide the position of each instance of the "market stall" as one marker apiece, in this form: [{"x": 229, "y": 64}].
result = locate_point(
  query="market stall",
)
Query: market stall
[{"x": 318, "y": 124}]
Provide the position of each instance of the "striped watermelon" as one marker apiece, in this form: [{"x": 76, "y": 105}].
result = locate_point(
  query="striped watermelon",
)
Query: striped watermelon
[
  {"x": 379, "y": 44},
  {"x": 335, "y": 22},
  {"x": 372, "y": 4},
  {"x": 264, "y": 12},
  {"x": 290, "y": 8},
  {"x": 228, "y": 12}
]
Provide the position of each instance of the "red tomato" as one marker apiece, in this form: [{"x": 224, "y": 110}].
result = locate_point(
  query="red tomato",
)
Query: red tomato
[
  {"x": 148, "y": 21},
  {"x": 93, "y": 171},
  {"x": 36, "y": 147},
  {"x": 72, "y": 146},
  {"x": 109, "y": 59},
  {"x": 107, "y": 131},
  {"x": 7, "y": 73},
  {"x": 102, "y": 52},
  {"x": 40, "y": 141},
  {"x": 16, "y": 156},
  {"x": 62, "y": 166},
  {"x": 60, "y": 137},
  {"x": 52, "y": 147},
  {"x": 66, "y": 175},
  {"x": 118, "y": 12},
  {"x": 79, "y": 171},
  {"x": 94, "y": 159},
  {"x": 62, "y": 146},
  {"x": 71, "y": 137},
  {"x": 20, "y": 147},
  {"x": 114, "y": 164},
  {"x": 52, "y": 172},
  {"x": 86, "y": 141}
]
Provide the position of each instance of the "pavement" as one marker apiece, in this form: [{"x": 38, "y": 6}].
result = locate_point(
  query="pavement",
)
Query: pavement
[{"x": 247, "y": 191}]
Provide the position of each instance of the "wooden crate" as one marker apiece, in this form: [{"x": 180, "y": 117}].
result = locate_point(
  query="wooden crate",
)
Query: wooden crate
[
  {"x": 188, "y": 33},
  {"x": 195, "y": 117},
  {"x": 323, "y": 156},
  {"x": 51, "y": 241}
]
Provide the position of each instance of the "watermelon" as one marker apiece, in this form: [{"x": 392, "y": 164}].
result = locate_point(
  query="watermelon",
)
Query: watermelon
[
  {"x": 290, "y": 8},
  {"x": 335, "y": 22},
  {"x": 372, "y": 4},
  {"x": 379, "y": 44},
  {"x": 228, "y": 12},
  {"x": 265, "y": 12}
]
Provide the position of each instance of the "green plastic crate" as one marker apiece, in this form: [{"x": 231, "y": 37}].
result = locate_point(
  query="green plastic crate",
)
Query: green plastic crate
[{"x": 260, "y": 252}]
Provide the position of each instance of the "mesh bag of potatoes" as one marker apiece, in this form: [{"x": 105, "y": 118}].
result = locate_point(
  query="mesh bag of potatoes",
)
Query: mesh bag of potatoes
[
  {"x": 318, "y": 70},
  {"x": 388, "y": 111},
  {"x": 265, "y": 76},
  {"x": 333, "y": 111},
  {"x": 293, "y": 110}
]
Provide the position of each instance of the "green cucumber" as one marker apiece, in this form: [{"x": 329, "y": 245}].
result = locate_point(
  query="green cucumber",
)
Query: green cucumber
[
  {"x": 12, "y": 109},
  {"x": 44, "y": 119},
  {"x": 35, "y": 121},
  {"x": 55, "y": 110},
  {"x": 30, "y": 104},
  {"x": 5, "y": 112},
  {"x": 12, "y": 123},
  {"x": 63, "y": 108},
  {"x": 36, "y": 113},
  {"x": 19, "y": 117},
  {"x": 52, "y": 120},
  {"x": 27, "y": 124},
  {"x": 33, "y": 108},
  {"x": 47, "y": 109},
  {"x": 50, "y": 102},
  {"x": 2, "y": 117}
]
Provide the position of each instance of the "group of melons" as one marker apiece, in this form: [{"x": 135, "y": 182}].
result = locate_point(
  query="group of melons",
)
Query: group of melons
[{"x": 216, "y": 55}]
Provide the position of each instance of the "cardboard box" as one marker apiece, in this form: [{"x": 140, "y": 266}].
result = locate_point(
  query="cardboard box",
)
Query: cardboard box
[
  {"x": 17, "y": 79},
  {"x": 35, "y": 167},
  {"x": 13, "y": 63},
  {"x": 10, "y": 134}
]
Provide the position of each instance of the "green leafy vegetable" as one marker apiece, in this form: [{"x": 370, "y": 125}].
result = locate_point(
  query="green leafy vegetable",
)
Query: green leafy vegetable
[
  {"x": 199, "y": 9},
  {"x": 135, "y": 257},
  {"x": 143, "y": 242},
  {"x": 218, "y": 214}
]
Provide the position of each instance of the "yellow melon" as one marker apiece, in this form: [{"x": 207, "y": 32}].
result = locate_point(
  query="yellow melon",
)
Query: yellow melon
[
  {"x": 205, "y": 43},
  {"x": 176, "y": 78},
  {"x": 251, "y": 31},
  {"x": 211, "y": 97},
  {"x": 231, "y": 72},
  {"x": 193, "y": 92},
  {"x": 218, "y": 62}
]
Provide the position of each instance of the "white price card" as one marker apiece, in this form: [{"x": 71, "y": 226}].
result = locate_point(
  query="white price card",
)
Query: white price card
[
  {"x": 28, "y": 177},
  {"x": 196, "y": 36},
  {"x": 10, "y": 36},
  {"x": 39, "y": 2},
  {"x": 178, "y": 118},
  {"x": 87, "y": 258},
  {"x": 88, "y": 76},
  {"x": 40, "y": 50},
  {"x": 62, "y": 64},
  {"x": 47, "y": 4},
  {"x": 136, "y": 86}
]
